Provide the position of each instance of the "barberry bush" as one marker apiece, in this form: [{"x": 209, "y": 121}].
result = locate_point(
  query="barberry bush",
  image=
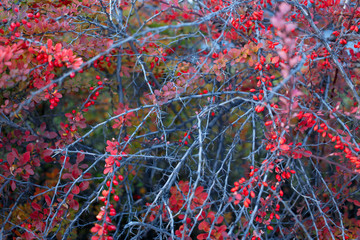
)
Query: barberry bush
[{"x": 167, "y": 119}]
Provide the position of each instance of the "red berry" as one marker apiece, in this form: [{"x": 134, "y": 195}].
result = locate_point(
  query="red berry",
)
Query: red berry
[
  {"x": 111, "y": 228},
  {"x": 112, "y": 212},
  {"x": 252, "y": 194}
]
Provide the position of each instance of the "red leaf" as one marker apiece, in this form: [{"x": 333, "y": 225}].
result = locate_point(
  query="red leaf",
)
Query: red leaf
[
  {"x": 80, "y": 157},
  {"x": 284, "y": 147},
  {"x": 68, "y": 115},
  {"x": 76, "y": 173},
  {"x": 11, "y": 156},
  {"x": 43, "y": 127},
  {"x": 110, "y": 160},
  {"x": 10, "y": 159},
  {"x": 48, "y": 200},
  {"x": 220, "y": 219},
  {"x": 74, "y": 204},
  {"x": 307, "y": 153},
  {"x": 67, "y": 175},
  {"x": 25, "y": 158},
  {"x": 48, "y": 159},
  {"x": 49, "y": 44},
  {"x": 58, "y": 47},
  {"x": 47, "y": 152},
  {"x": 13, "y": 185},
  {"x": 29, "y": 170},
  {"x": 96, "y": 228},
  {"x": 29, "y": 236},
  {"x": 107, "y": 170},
  {"x": 83, "y": 166},
  {"x": 202, "y": 236},
  {"x": 50, "y": 135},
  {"x": 204, "y": 226},
  {"x": 36, "y": 206},
  {"x": 75, "y": 190},
  {"x": 84, "y": 185},
  {"x": 221, "y": 229},
  {"x": 211, "y": 215},
  {"x": 31, "y": 138}
]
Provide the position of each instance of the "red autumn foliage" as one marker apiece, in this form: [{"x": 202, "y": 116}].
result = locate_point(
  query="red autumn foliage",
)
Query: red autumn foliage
[{"x": 205, "y": 119}]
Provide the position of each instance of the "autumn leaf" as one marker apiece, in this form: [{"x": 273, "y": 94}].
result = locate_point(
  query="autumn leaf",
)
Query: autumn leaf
[{"x": 284, "y": 147}]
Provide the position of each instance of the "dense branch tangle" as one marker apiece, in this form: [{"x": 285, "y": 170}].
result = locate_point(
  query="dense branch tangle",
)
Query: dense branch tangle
[{"x": 179, "y": 120}]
